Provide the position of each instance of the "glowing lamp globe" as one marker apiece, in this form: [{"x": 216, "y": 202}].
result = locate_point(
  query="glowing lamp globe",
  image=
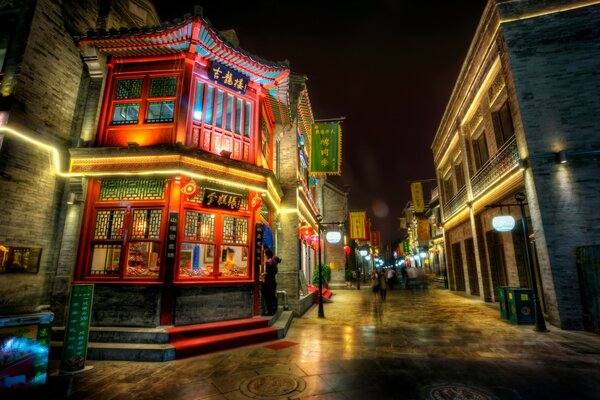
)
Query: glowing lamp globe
[
  {"x": 503, "y": 223},
  {"x": 333, "y": 237}
]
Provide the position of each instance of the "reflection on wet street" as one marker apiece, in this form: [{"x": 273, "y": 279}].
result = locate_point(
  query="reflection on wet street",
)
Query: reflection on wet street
[{"x": 417, "y": 344}]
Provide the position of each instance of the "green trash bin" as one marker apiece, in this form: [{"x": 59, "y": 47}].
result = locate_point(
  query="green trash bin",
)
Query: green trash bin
[
  {"x": 502, "y": 299},
  {"x": 520, "y": 303}
]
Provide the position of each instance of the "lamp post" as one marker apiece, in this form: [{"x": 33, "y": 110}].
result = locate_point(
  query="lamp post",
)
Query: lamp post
[
  {"x": 540, "y": 324},
  {"x": 320, "y": 227},
  {"x": 321, "y": 310},
  {"x": 520, "y": 197}
]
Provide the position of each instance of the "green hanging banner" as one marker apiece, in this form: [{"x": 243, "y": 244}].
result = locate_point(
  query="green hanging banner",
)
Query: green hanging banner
[{"x": 326, "y": 148}]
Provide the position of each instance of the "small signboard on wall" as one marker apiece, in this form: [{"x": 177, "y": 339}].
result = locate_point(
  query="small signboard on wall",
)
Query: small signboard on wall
[
  {"x": 20, "y": 259},
  {"x": 75, "y": 342}
]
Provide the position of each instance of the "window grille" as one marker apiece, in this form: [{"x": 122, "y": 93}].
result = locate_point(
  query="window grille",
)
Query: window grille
[{"x": 132, "y": 189}]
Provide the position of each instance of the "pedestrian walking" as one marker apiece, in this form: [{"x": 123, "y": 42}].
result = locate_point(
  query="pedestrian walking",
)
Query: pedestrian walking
[
  {"x": 375, "y": 283},
  {"x": 404, "y": 275},
  {"x": 269, "y": 283},
  {"x": 391, "y": 278},
  {"x": 413, "y": 276},
  {"x": 382, "y": 284}
]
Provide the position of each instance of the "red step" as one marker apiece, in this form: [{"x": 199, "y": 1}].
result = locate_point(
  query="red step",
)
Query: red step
[
  {"x": 193, "y": 340},
  {"x": 216, "y": 328},
  {"x": 225, "y": 341}
]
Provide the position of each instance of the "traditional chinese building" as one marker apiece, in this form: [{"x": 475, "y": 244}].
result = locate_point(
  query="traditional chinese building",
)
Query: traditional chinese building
[
  {"x": 522, "y": 118},
  {"x": 179, "y": 181}
]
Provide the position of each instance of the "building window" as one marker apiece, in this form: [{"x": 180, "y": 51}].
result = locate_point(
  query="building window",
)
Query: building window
[
  {"x": 223, "y": 121},
  {"x": 142, "y": 244},
  {"x": 480, "y": 151},
  {"x": 460, "y": 176},
  {"x": 447, "y": 187},
  {"x": 265, "y": 144},
  {"x": 503, "y": 124},
  {"x": 152, "y": 96},
  {"x": 214, "y": 246}
]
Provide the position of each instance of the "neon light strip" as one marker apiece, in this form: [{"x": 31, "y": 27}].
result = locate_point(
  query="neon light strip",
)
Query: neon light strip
[{"x": 57, "y": 163}]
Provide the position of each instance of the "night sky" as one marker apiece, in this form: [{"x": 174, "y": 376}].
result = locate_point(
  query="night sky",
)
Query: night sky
[{"x": 388, "y": 66}]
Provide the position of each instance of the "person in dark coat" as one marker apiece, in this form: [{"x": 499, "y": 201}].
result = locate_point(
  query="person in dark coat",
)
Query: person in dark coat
[{"x": 269, "y": 285}]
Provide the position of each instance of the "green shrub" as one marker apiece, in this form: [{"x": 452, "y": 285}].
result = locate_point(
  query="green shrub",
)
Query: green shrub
[{"x": 326, "y": 275}]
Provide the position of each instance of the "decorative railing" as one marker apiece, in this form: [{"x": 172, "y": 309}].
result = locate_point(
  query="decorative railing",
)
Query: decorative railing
[
  {"x": 455, "y": 203},
  {"x": 505, "y": 160}
]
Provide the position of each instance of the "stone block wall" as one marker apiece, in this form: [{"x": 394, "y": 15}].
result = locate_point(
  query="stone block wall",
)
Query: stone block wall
[
  {"x": 202, "y": 304},
  {"x": 554, "y": 61}
]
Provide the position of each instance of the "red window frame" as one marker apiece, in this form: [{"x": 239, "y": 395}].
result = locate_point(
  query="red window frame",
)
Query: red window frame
[
  {"x": 216, "y": 138},
  {"x": 129, "y": 206},
  {"x": 219, "y": 244}
]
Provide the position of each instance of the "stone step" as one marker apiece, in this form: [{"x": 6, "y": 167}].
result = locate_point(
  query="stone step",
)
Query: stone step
[{"x": 157, "y": 345}]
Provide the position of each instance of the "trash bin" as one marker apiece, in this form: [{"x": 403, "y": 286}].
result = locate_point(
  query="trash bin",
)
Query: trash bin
[
  {"x": 502, "y": 299},
  {"x": 24, "y": 349},
  {"x": 520, "y": 304}
]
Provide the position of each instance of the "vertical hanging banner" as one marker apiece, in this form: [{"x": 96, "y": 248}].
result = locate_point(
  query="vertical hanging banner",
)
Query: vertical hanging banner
[
  {"x": 358, "y": 225},
  {"x": 423, "y": 230},
  {"x": 326, "y": 148},
  {"x": 375, "y": 238},
  {"x": 416, "y": 189},
  {"x": 406, "y": 247}
]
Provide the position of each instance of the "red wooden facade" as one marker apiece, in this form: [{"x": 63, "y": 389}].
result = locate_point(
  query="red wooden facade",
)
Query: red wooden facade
[{"x": 170, "y": 121}]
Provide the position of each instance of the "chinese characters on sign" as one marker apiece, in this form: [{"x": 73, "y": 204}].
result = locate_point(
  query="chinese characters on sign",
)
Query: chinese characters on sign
[
  {"x": 416, "y": 189},
  {"x": 78, "y": 325},
  {"x": 260, "y": 229},
  {"x": 405, "y": 247},
  {"x": 326, "y": 148},
  {"x": 423, "y": 230},
  {"x": 217, "y": 199},
  {"x": 172, "y": 235},
  {"x": 375, "y": 238},
  {"x": 358, "y": 228},
  {"x": 228, "y": 77}
]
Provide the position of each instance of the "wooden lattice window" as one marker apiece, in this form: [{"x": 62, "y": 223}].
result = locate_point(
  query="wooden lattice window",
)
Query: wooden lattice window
[{"x": 132, "y": 189}]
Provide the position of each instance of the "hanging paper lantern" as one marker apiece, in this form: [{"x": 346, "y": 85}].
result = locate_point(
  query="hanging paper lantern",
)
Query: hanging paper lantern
[
  {"x": 346, "y": 249},
  {"x": 256, "y": 201},
  {"x": 190, "y": 189}
]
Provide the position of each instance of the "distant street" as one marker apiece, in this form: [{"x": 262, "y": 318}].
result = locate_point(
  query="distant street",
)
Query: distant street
[{"x": 418, "y": 344}]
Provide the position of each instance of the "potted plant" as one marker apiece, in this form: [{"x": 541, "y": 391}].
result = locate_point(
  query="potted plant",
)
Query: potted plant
[{"x": 326, "y": 276}]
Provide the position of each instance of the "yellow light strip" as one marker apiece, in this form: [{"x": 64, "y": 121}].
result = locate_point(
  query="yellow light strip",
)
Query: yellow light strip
[
  {"x": 57, "y": 163},
  {"x": 550, "y": 11},
  {"x": 491, "y": 74},
  {"x": 167, "y": 158},
  {"x": 41, "y": 145},
  {"x": 306, "y": 214},
  {"x": 500, "y": 190},
  {"x": 449, "y": 148}
]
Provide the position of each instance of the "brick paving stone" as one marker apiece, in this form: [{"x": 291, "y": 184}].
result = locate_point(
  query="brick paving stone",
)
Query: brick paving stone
[{"x": 407, "y": 347}]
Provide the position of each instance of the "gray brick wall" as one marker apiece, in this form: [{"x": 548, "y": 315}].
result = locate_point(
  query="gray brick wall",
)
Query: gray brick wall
[
  {"x": 555, "y": 63},
  {"x": 43, "y": 76}
]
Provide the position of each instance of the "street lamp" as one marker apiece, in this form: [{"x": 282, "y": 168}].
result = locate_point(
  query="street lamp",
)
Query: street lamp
[
  {"x": 520, "y": 197},
  {"x": 540, "y": 324},
  {"x": 331, "y": 239}
]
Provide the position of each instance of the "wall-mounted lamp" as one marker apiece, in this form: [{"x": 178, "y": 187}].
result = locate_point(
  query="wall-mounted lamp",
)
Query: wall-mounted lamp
[
  {"x": 561, "y": 157},
  {"x": 132, "y": 144},
  {"x": 225, "y": 153},
  {"x": 522, "y": 163},
  {"x": 72, "y": 199}
]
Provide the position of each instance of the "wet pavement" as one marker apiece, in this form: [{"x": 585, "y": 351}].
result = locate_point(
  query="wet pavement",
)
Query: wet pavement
[{"x": 418, "y": 344}]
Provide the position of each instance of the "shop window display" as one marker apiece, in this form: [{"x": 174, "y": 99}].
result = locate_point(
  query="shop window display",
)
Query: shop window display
[{"x": 203, "y": 254}]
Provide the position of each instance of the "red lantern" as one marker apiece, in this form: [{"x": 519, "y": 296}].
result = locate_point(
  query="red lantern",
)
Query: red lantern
[
  {"x": 256, "y": 201},
  {"x": 346, "y": 249},
  {"x": 190, "y": 189}
]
